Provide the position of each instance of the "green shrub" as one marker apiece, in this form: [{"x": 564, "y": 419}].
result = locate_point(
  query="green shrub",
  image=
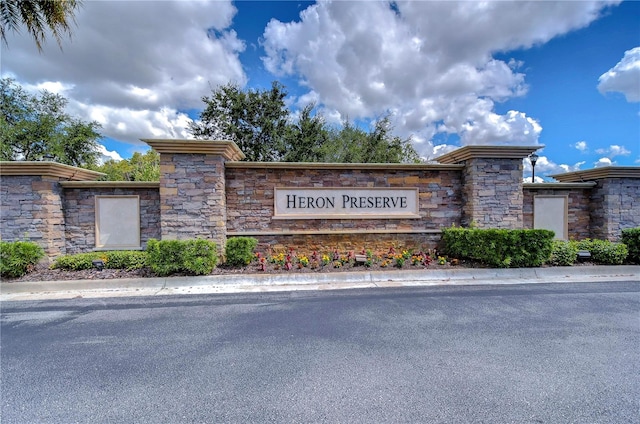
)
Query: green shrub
[
  {"x": 499, "y": 248},
  {"x": 195, "y": 257},
  {"x": 18, "y": 257},
  {"x": 114, "y": 259},
  {"x": 604, "y": 251},
  {"x": 126, "y": 259},
  {"x": 563, "y": 253},
  {"x": 631, "y": 237},
  {"x": 239, "y": 251},
  {"x": 78, "y": 261}
]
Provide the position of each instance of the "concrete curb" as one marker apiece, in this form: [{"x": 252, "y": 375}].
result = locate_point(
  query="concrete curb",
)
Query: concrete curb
[{"x": 315, "y": 281}]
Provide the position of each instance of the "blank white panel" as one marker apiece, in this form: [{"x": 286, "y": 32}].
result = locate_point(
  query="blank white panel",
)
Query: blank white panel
[
  {"x": 550, "y": 213},
  {"x": 117, "y": 222}
]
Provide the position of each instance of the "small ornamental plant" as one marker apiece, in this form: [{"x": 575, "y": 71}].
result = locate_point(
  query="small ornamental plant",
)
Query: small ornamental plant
[
  {"x": 442, "y": 260},
  {"x": 325, "y": 260},
  {"x": 304, "y": 261},
  {"x": 262, "y": 263},
  {"x": 385, "y": 263},
  {"x": 278, "y": 260}
]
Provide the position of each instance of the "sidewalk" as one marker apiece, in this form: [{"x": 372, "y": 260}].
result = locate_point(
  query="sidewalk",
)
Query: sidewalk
[{"x": 316, "y": 281}]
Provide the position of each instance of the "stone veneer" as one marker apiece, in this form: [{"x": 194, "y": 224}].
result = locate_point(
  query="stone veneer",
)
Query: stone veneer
[
  {"x": 31, "y": 202},
  {"x": 614, "y": 201},
  {"x": 206, "y": 192},
  {"x": 617, "y": 209},
  {"x": 192, "y": 188},
  {"x": 250, "y": 204},
  {"x": 80, "y": 209},
  {"x": 491, "y": 184}
]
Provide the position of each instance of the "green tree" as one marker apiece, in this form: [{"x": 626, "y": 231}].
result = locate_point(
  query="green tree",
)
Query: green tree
[
  {"x": 38, "y": 16},
  {"x": 351, "y": 144},
  {"x": 305, "y": 139},
  {"x": 141, "y": 167},
  {"x": 255, "y": 120},
  {"x": 36, "y": 127}
]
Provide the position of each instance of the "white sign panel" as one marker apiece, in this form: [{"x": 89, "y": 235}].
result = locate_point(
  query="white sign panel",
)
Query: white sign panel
[
  {"x": 550, "y": 213},
  {"x": 117, "y": 222},
  {"x": 345, "y": 203}
]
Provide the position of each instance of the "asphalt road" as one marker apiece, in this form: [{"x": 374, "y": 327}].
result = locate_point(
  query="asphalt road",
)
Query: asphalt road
[{"x": 548, "y": 353}]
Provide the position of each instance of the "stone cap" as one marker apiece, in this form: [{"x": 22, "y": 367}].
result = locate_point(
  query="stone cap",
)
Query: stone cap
[
  {"x": 111, "y": 184},
  {"x": 347, "y": 166},
  {"x": 48, "y": 169},
  {"x": 558, "y": 186},
  {"x": 599, "y": 173},
  {"x": 227, "y": 149},
  {"x": 489, "y": 152}
]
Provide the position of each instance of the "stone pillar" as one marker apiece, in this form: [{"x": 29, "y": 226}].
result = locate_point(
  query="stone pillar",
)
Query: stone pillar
[
  {"x": 31, "y": 202},
  {"x": 192, "y": 188},
  {"x": 614, "y": 201},
  {"x": 491, "y": 184}
]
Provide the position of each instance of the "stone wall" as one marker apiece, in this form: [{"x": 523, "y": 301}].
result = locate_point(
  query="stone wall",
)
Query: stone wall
[
  {"x": 192, "y": 197},
  {"x": 578, "y": 208},
  {"x": 492, "y": 193},
  {"x": 615, "y": 205},
  {"x": 250, "y": 205},
  {"x": 205, "y": 191},
  {"x": 614, "y": 202},
  {"x": 491, "y": 184},
  {"x": 80, "y": 214},
  {"x": 32, "y": 210}
]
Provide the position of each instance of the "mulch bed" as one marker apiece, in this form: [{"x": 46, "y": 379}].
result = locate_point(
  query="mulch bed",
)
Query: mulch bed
[{"x": 43, "y": 273}]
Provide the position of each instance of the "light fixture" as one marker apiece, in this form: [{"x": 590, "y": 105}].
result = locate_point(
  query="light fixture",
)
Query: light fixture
[
  {"x": 584, "y": 255},
  {"x": 533, "y": 158},
  {"x": 98, "y": 264}
]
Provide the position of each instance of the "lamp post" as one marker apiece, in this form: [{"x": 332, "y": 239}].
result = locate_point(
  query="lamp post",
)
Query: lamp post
[{"x": 533, "y": 158}]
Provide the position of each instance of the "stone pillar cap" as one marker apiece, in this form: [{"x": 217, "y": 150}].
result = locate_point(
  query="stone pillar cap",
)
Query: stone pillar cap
[
  {"x": 227, "y": 149},
  {"x": 598, "y": 174},
  {"x": 48, "y": 169},
  {"x": 488, "y": 152}
]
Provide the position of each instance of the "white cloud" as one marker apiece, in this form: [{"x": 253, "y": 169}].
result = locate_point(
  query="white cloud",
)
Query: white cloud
[
  {"x": 545, "y": 166},
  {"x": 582, "y": 146},
  {"x": 430, "y": 63},
  {"x": 624, "y": 77},
  {"x": 133, "y": 65},
  {"x": 613, "y": 150},
  {"x": 106, "y": 155},
  {"x": 603, "y": 162}
]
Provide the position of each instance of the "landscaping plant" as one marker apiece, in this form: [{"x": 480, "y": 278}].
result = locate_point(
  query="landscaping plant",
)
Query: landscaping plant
[
  {"x": 239, "y": 251},
  {"x": 18, "y": 257},
  {"x": 631, "y": 237},
  {"x": 114, "y": 259},
  {"x": 501, "y": 248},
  {"x": 564, "y": 253},
  {"x": 604, "y": 252},
  {"x": 193, "y": 257}
]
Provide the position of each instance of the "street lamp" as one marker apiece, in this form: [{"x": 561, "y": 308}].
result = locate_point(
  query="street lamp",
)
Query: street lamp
[{"x": 533, "y": 158}]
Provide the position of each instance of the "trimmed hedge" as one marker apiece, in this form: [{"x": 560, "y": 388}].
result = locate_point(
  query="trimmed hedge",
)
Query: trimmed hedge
[
  {"x": 631, "y": 237},
  {"x": 239, "y": 251},
  {"x": 193, "y": 257},
  {"x": 604, "y": 251},
  {"x": 499, "y": 248},
  {"x": 18, "y": 257},
  {"x": 114, "y": 259},
  {"x": 564, "y": 253}
]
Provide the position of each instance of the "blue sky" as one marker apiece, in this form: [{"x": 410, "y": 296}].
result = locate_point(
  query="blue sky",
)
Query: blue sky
[{"x": 561, "y": 74}]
